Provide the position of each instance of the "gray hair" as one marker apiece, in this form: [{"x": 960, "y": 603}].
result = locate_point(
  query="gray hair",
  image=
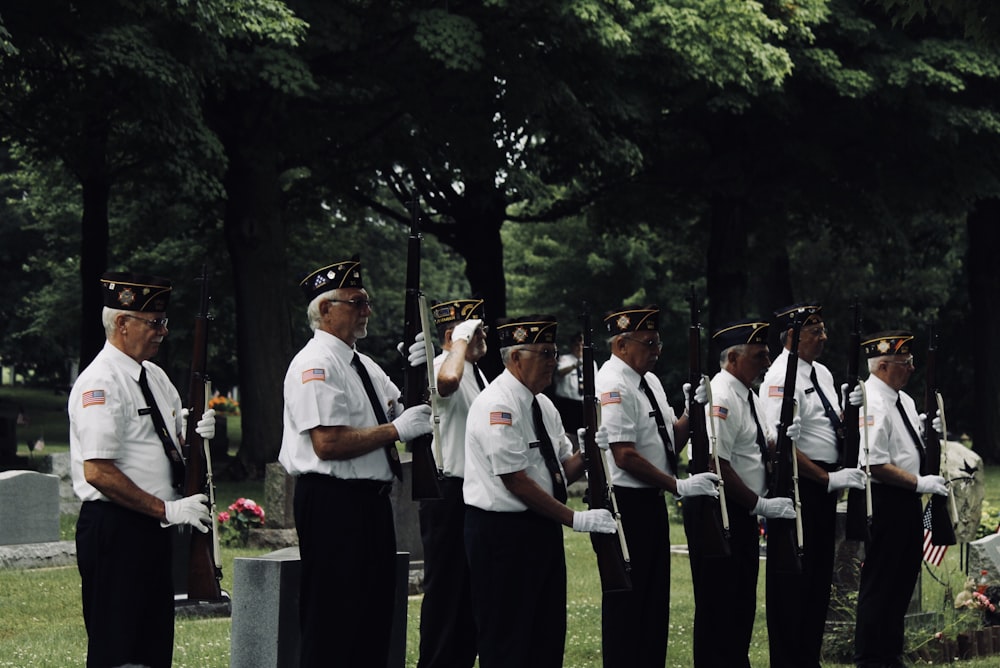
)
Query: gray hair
[
  {"x": 109, "y": 316},
  {"x": 312, "y": 312},
  {"x": 506, "y": 351},
  {"x": 740, "y": 349},
  {"x": 873, "y": 362}
]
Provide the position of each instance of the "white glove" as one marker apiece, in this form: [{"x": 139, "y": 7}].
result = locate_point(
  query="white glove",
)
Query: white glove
[
  {"x": 932, "y": 484},
  {"x": 779, "y": 508},
  {"x": 465, "y": 330},
  {"x": 417, "y": 352},
  {"x": 794, "y": 430},
  {"x": 936, "y": 425},
  {"x": 206, "y": 425},
  {"x": 594, "y": 521},
  {"x": 191, "y": 510},
  {"x": 700, "y": 484},
  {"x": 700, "y": 393},
  {"x": 846, "y": 479},
  {"x": 855, "y": 398},
  {"x": 600, "y": 436},
  {"x": 414, "y": 421}
]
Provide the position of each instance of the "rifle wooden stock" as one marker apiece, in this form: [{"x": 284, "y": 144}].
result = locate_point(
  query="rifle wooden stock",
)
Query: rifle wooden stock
[
  {"x": 942, "y": 529},
  {"x": 782, "y": 538},
  {"x": 611, "y": 549},
  {"x": 204, "y": 568},
  {"x": 858, "y": 522},
  {"x": 712, "y": 528},
  {"x": 424, "y": 471}
]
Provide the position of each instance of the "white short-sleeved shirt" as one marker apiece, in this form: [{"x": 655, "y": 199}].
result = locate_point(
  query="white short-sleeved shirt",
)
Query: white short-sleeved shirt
[
  {"x": 736, "y": 431},
  {"x": 818, "y": 441},
  {"x": 567, "y": 386},
  {"x": 500, "y": 438},
  {"x": 453, "y": 411},
  {"x": 889, "y": 441},
  {"x": 628, "y": 416},
  {"x": 105, "y": 423},
  {"x": 323, "y": 389}
]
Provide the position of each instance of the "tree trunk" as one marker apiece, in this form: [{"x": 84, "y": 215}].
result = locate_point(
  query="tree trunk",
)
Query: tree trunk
[
  {"x": 255, "y": 236},
  {"x": 95, "y": 184},
  {"x": 984, "y": 285}
]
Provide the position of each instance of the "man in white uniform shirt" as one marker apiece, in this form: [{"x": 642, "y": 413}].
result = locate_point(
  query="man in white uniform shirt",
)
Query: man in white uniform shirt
[
  {"x": 447, "y": 628},
  {"x": 896, "y": 456},
  {"x": 744, "y": 440},
  {"x": 342, "y": 418},
  {"x": 643, "y": 433},
  {"x": 797, "y": 603},
  {"x": 517, "y": 464},
  {"x": 125, "y": 451}
]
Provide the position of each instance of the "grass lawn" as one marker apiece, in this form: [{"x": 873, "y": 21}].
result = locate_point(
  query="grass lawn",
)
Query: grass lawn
[{"x": 41, "y": 624}]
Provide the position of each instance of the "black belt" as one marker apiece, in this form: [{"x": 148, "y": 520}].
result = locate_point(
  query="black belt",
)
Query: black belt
[
  {"x": 639, "y": 491},
  {"x": 361, "y": 485},
  {"x": 826, "y": 466}
]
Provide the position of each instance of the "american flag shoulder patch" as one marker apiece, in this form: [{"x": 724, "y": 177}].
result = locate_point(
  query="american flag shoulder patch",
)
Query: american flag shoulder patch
[
  {"x": 861, "y": 421},
  {"x": 500, "y": 417},
  {"x": 720, "y": 412},
  {"x": 93, "y": 398},
  {"x": 313, "y": 374},
  {"x": 611, "y": 398},
  {"x": 776, "y": 391}
]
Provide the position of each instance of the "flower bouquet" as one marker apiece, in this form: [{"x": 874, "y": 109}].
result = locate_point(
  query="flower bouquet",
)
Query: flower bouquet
[{"x": 235, "y": 525}]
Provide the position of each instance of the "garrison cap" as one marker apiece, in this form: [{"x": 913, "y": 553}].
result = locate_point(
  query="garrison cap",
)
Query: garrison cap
[
  {"x": 344, "y": 274},
  {"x": 526, "y": 329},
  {"x": 739, "y": 333},
  {"x": 805, "y": 312},
  {"x": 632, "y": 319},
  {"x": 893, "y": 342},
  {"x": 135, "y": 292},
  {"x": 457, "y": 310}
]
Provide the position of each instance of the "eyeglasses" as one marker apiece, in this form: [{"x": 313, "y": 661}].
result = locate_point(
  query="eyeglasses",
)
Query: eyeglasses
[
  {"x": 816, "y": 331},
  {"x": 907, "y": 362},
  {"x": 652, "y": 343},
  {"x": 546, "y": 353},
  {"x": 356, "y": 303},
  {"x": 154, "y": 323}
]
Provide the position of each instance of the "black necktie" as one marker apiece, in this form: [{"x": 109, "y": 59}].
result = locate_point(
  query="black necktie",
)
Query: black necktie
[
  {"x": 479, "y": 377},
  {"x": 390, "y": 449},
  {"x": 761, "y": 441},
  {"x": 831, "y": 414},
  {"x": 548, "y": 453},
  {"x": 913, "y": 432},
  {"x": 176, "y": 463},
  {"x": 661, "y": 426}
]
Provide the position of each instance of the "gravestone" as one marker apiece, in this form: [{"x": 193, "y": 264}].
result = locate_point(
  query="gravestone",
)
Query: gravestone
[
  {"x": 265, "y": 629},
  {"x": 984, "y": 555},
  {"x": 29, "y": 507}
]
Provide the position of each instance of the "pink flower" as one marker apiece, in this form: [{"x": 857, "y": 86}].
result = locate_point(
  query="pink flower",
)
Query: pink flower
[{"x": 223, "y": 516}]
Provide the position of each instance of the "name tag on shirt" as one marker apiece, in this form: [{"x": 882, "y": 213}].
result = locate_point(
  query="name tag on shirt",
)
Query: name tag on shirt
[
  {"x": 534, "y": 444},
  {"x": 811, "y": 389},
  {"x": 145, "y": 411}
]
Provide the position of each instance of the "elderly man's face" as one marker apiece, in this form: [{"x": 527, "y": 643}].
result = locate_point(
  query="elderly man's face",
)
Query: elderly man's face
[
  {"x": 812, "y": 341},
  {"x": 347, "y": 316},
  {"x": 534, "y": 365},
  {"x": 639, "y": 350},
  {"x": 141, "y": 334},
  {"x": 749, "y": 364}
]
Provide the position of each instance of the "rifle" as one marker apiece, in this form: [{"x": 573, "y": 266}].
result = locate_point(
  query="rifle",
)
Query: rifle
[
  {"x": 858, "y": 519},
  {"x": 613, "y": 560},
  {"x": 942, "y": 527},
  {"x": 784, "y": 537},
  {"x": 712, "y": 524},
  {"x": 424, "y": 470},
  {"x": 204, "y": 560}
]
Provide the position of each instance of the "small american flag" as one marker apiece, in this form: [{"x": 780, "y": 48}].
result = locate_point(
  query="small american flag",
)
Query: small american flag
[
  {"x": 500, "y": 417},
  {"x": 933, "y": 554},
  {"x": 611, "y": 398},
  {"x": 720, "y": 412},
  {"x": 776, "y": 391},
  {"x": 861, "y": 421},
  {"x": 93, "y": 398},
  {"x": 313, "y": 374}
]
